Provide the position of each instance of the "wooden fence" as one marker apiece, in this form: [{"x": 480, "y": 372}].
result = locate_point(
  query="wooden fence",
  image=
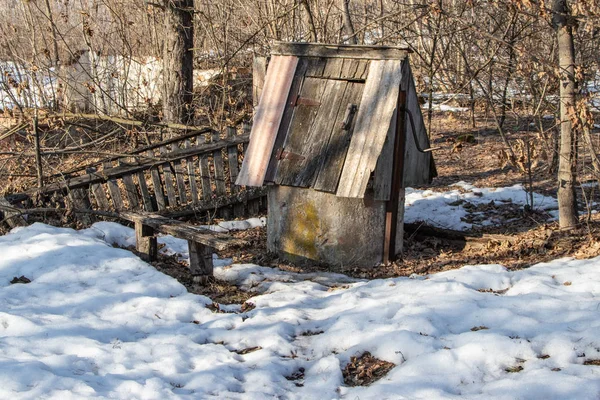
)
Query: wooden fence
[{"x": 190, "y": 174}]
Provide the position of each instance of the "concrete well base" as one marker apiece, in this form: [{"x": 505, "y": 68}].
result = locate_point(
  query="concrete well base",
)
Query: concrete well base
[{"x": 308, "y": 226}]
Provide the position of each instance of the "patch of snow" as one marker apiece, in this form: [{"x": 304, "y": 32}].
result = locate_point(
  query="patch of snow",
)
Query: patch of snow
[
  {"x": 447, "y": 108},
  {"x": 445, "y": 209},
  {"x": 97, "y": 322}
]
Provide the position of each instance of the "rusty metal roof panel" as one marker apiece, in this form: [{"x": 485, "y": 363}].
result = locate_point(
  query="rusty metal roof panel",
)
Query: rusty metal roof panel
[{"x": 267, "y": 120}]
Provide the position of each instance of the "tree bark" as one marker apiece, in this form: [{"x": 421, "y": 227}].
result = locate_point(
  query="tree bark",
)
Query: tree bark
[
  {"x": 349, "y": 28},
  {"x": 178, "y": 59},
  {"x": 567, "y": 163},
  {"x": 311, "y": 21}
]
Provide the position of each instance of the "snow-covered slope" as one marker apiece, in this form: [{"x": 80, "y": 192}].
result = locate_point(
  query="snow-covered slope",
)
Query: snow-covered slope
[{"x": 97, "y": 322}]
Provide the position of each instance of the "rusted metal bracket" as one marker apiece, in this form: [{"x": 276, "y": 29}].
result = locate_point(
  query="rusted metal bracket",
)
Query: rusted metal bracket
[
  {"x": 304, "y": 101},
  {"x": 350, "y": 111},
  {"x": 288, "y": 155}
]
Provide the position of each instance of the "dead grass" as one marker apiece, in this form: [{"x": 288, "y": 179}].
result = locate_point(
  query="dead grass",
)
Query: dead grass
[
  {"x": 219, "y": 291},
  {"x": 591, "y": 362},
  {"x": 364, "y": 370},
  {"x": 469, "y": 154}
]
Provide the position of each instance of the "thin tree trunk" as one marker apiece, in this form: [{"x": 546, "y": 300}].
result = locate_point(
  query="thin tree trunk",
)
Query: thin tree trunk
[
  {"x": 178, "y": 61},
  {"x": 349, "y": 28},
  {"x": 38, "y": 156},
  {"x": 55, "y": 55},
  {"x": 567, "y": 163},
  {"x": 311, "y": 21},
  {"x": 509, "y": 72}
]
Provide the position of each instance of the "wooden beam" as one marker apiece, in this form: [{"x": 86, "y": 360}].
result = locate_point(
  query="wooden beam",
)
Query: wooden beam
[
  {"x": 107, "y": 174},
  {"x": 132, "y": 122},
  {"x": 391, "y": 206},
  {"x": 145, "y": 242},
  {"x": 182, "y": 230},
  {"x": 339, "y": 51}
]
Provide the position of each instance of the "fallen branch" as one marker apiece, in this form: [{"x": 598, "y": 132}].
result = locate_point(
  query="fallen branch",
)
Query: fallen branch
[
  {"x": 133, "y": 122},
  {"x": 12, "y": 215},
  {"x": 450, "y": 234},
  {"x": 19, "y": 212}
]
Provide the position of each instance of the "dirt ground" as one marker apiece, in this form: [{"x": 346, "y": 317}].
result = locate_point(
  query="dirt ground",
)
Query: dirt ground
[
  {"x": 463, "y": 153},
  {"x": 477, "y": 156}
]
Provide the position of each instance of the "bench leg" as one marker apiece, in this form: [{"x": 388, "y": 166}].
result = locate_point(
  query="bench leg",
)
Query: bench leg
[
  {"x": 145, "y": 242},
  {"x": 201, "y": 263}
]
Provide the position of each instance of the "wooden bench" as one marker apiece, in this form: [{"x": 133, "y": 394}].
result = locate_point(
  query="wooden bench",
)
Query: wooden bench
[
  {"x": 202, "y": 243},
  {"x": 189, "y": 175}
]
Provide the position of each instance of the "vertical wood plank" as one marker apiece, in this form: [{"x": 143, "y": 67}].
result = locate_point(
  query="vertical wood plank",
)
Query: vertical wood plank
[
  {"x": 100, "y": 197},
  {"x": 303, "y": 172},
  {"x": 396, "y": 192},
  {"x": 267, "y": 119},
  {"x": 232, "y": 160},
  {"x": 168, "y": 178},
  {"x": 191, "y": 169},
  {"x": 334, "y": 156},
  {"x": 145, "y": 193},
  {"x": 315, "y": 67},
  {"x": 219, "y": 167},
  {"x": 349, "y": 68},
  {"x": 382, "y": 177},
  {"x": 418, "y": 167},
  {"x": 333, "y": 68},
  {"x": 157, "y": 185},
  {"x": 204, "y": 170},
  {"x": 378, "y": 103},
  {"x": 130, "y": 191},
  {"x": 180, "y": 179},
  {"x": 302, "y": 122},
  {"x": 354, "y": 69},
  {"x": 81, "y": 201},
  {"x": 113, "y": 189}
]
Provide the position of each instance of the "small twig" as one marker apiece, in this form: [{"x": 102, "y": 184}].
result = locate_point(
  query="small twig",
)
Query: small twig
[{"x": 19, "y": 212}]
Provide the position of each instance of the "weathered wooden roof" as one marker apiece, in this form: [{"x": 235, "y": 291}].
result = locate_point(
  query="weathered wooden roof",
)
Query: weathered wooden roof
[{"x": 326, "y": 120}]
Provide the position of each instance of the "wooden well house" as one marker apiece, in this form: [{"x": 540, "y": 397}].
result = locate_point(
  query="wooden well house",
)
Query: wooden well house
[{"x": 337, "y": 136}]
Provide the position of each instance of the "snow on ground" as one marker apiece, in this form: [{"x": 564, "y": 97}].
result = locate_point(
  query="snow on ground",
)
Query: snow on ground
[
  {"x": 448, "y": 108},
  {"x": 446, "y": 209},
  {"x": 97, "y": 322}
]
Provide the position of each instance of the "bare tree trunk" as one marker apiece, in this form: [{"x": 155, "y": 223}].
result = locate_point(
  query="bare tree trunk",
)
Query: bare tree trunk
[
  {"x": 348, "y": 27},
  {"x": 509, "y": 71},
  {"x": 55, "y": 55},
  {"x": 178, "y": 59},
  {"x": 311, "y": 21},
  {"x": 38, "y": 156},
  {"x": 567, "y": 167}
]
